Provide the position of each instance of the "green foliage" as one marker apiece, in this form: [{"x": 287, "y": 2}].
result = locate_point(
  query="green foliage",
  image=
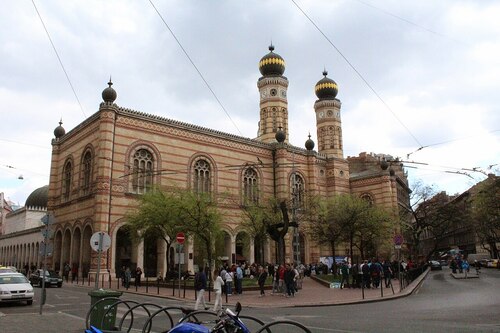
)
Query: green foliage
[
  {"x": 349, "y": 219},
  {"x": 486, "y": 214}
]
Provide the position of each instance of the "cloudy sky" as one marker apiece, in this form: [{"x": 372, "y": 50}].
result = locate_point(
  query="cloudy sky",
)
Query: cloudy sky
[{"x": 411, "y": 74}]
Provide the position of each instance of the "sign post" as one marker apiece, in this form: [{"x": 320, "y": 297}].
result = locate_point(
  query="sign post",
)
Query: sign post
[
  {"x": 180, "y": 240},
  {"x": 45, "y": 250},
  {"x": 100, "y": 241},
  {"x": 398, "y": 240}
]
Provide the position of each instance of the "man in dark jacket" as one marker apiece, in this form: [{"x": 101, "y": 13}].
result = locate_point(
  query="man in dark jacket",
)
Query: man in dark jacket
[
  {"x": 289, "y": 281},
  {"x": 200, "y": 284},
  {"x": 262, "y": 280}
]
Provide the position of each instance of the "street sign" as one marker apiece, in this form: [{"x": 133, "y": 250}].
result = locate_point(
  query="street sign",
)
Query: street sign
[
  {"x": 47, "y": 233},
  {"x": 94, "y": 241},
  {"x": 397, "y": 247},
  {"x": 180, "y": 237},
  {"x": 398, "y": 239},
  {"x": 46, "y": 249},
  {"x": 47, "y": 219}
]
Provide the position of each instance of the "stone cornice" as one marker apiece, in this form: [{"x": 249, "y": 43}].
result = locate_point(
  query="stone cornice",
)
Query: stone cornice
[{"x": 327, "y": 103}]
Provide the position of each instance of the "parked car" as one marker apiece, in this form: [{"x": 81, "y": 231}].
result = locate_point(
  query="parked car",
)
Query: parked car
[
  {"x": 492, "y": 263},
  {"x": 15, "y": 287},
  {"x": 435, "y": 265},
  {"x": 52, "y": 279},
  {"x": 8, "y": 269}
]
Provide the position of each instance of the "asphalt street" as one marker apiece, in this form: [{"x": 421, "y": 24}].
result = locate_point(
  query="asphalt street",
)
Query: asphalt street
[{"x": 441, "y": 304}]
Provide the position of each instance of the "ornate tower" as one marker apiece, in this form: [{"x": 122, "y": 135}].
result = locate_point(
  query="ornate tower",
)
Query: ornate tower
[
  {"x": 273, "y": 97},
  {"x": 328, "y": 123}
]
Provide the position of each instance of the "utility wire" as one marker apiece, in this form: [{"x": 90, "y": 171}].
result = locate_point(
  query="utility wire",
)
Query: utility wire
[
  {"x": 410, "y": 22},
  {"x": 448, "y": 141},
  {"x": 24, "y": 143},
  {"x": 359, "y": 74},
  {"x": 194, "y": 65},
  {"x": 58, "y": 58}
]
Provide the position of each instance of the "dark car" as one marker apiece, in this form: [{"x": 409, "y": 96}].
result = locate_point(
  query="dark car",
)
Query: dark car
[
  {"x": 435, "y": 265},
  {"x": 52, "y": 279}
]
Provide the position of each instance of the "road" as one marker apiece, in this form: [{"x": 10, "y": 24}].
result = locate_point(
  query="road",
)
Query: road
[{"x": 441, "y": 304}]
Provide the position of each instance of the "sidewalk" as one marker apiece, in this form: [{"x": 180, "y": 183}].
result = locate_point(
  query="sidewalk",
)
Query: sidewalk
[{"x": 312, "y": 294}]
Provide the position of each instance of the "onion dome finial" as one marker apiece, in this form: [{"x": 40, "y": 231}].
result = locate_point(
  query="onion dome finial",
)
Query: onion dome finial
[
  {"x": 272, "y": 63},
  {"x": 326, "y": 88},
  {"x": 109, "y": 94}
]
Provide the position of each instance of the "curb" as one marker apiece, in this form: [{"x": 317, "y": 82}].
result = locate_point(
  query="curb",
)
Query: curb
[{"x": 411, "y": 289}]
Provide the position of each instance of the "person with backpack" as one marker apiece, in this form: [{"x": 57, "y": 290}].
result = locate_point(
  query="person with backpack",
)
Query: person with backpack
[{"x": 200, "y": 285}]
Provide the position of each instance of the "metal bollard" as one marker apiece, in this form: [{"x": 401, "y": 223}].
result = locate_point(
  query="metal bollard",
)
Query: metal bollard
[{"x": 184, "y": 296}]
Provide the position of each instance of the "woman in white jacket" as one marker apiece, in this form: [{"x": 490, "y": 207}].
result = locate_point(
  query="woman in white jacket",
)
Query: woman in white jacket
[{"x": 218, "y": 283}]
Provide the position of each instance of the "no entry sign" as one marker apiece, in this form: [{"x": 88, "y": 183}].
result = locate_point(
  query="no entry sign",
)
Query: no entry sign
[{"x": 180, "y": 237}]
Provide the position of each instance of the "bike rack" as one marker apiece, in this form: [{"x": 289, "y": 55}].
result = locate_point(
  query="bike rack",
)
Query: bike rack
[
  {"x": 191, "y": 317},
  {"x": 283, "y": 322},
  {"x": 147, "y": 325},
  {"x": 116, "y": 305}
]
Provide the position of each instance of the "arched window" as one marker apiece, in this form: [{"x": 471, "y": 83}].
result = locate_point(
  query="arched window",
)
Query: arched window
[
  {"x": 142, "y": 172},
  {"x": 368, "y": 198},
  {"x": 297, "y": 189},
  {"x": 250, "y": 186},
  {"x": 86, "y": 172},
  {"x": 201, "y": 179},
  {"x": 66, "y": 184}
]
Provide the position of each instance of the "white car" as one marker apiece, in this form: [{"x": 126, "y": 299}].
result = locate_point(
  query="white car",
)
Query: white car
[{"x": 15, "y": 287}]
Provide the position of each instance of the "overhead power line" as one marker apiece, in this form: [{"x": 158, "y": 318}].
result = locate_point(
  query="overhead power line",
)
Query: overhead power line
[
  {"x": 410, "y": 22},
  {"x": 59, "y": 58},
  {"x": 448, "y": 141},
  {"x": 195, "y": 67},
  {"x": 358, "y": 73}
]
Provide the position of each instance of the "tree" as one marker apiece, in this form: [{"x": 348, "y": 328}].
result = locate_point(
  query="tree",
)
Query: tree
[
  {"x": 156, "y": 216},
  {"x": 253, "y": 222},
  {"x": 322, "y": 226},
  {"x": 433, "y": 216},
  {"x": 350, "y": 219},
  {"x": 486, "y": 215},
  {"x": 200, "y": 217}
]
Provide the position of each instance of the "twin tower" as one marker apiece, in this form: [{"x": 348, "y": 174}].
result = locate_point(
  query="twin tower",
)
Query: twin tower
[{"x": 274, "y": 106}]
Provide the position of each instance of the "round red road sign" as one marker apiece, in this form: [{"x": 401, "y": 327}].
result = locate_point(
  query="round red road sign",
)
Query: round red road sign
[
  {"x": 398, "y": 239},
  {"x": 180, "y": 237}
]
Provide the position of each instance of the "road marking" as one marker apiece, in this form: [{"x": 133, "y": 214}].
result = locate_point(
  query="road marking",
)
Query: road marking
[
  {"x": 70, "y": 315},
  {"x": 66, "y": 297},
  {"x": 331, "y": 329},
  {"x": 2, "y": 314}
]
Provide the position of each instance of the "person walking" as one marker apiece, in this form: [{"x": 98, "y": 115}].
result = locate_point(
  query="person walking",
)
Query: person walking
[
  {"x": 387, "y": 268},
  {"x": 138, "y": 274},
  {"x": 281, "y": 281},
  {"x": 200, "y": 283},
  {"x": 239, "y": 280},
  {"x": 289, "y": 281},
  {"x": 74, "y": 272},
  {"x": 218, "y": 283},
  {"x": 229, "y": 282},
  {"x": 276, "y": 279},
  {"x": 262, "y": 280},
  {"x": 128, "y": 277},
  {"x": 344, "y": 271},
  {"x": 66, "y": 270}
]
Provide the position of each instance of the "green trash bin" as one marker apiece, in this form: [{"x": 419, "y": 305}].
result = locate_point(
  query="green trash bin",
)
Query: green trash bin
[{"x": 98, "y": 311}]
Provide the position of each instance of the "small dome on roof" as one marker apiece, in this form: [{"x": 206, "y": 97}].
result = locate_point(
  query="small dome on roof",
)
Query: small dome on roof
[
  {"x": 280, "y": 135},
  {"x": 309, "y": 143},
  {"x": 59, "y": 131},
  {"x": 272, "y": 63},
  {"x": 38, "y": 198},
  {"x": 109, "y": 94}
]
